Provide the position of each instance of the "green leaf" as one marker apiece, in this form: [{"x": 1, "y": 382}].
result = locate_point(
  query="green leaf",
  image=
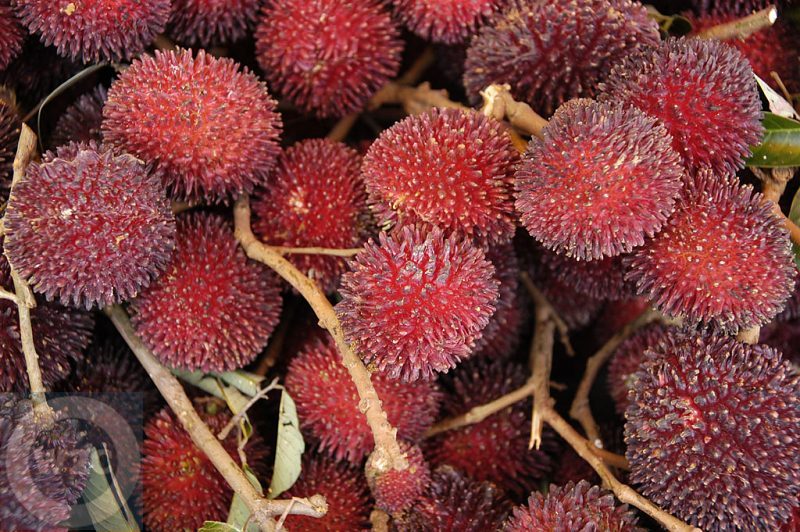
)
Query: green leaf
[
  {"x": 216, "y": 526},
  {"x": 780, "y": 146},
  {"x": 245, "y": 382},
  {"x": 103, "y": 506},
  {"x": 239, "y": 513},
  {"x": 288, "y": 449},
  {"x": 794, "y": 215}
]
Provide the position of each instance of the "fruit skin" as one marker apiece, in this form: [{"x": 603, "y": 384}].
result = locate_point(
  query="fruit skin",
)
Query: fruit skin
[
  {"x": 9, "y": 136},
  {"x": 212, "y": 22},
  {"x": 36, "y": 72},
  {"x": 328, "y": 57},
  {"x": 315, "y": 197},
  {"x": 82, "y": 120},
  {"x": 551, "y": 51},
  {"x": 602, "y": 279},
  {"x": 93, "y": 31},
  {"x": 448, "y": 168},
  {"x": 11, "y": 34},
  {"x": 184, "y": 113},
  {"x": 723, "y": 258},
  {"x": 510, "y": 464},
  {"x": 578, "y": 506},
  {"x": 327, "y": 402},
  {"x": 344, "y": 489},
  {"x": 102, "y": 247},
  {"x": 415, "y": 304},
  {"x": 449, "y": 22},
  {"x": 713, "y": 432},
  {"x": 395, "y": 491},
  {"x": 181, "y": 488},
  {"x": 704, "y": 93},
  {"x": 603, "y": 178},
  {"x": 212, "y": 309}
]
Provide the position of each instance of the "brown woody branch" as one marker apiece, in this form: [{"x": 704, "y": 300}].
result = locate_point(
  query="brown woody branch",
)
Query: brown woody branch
[
  {"x": 500, "y": 105},
  {"x": 743, "y": 27},
  {"x": 331, "y": 252},
  {"x": 541, "y": 358}
]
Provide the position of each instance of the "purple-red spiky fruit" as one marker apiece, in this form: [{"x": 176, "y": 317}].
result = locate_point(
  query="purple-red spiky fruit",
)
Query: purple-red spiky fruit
[
  {"x": 36, "y": 72},
  {"x": 449, "y": 22},
  {"x": 723, "y": 258},
  {"x": 414, "y": 304},
  {"x": 578, "y": 506},
  {"x": 327, "y": 401},
  {"x": 598, "y": 279},
  {"x": 10, "y": 122},
  {"x": 395, "y": 491},
  {"x": 784, "y": 336},
  {"x": 213, "y": 309},
  {"x": 185, "y": 115},
  {"x": 602, "y": 179},
  {"x": 551, "y": 51},
  {"x": 82, "y": 120},
  {"x": 344, "y": 489},
  {"x": 102, "y": 220},
  {"x": 453, "y": 501},
  {"x": 11, "y": 34},
  {"x": 713, "y": 432},
  {"x": 97, "y": 30},
  {"x": 328, "y": 57},
  {"x": 212, "y": 22},
  {"x": 315, "y": 198},
  {"x": 181, "y": 488},
  {"x": 626, "y": 360},
  {"x": 511, "y": 465},
  {"x": 702, "y": 91},
  {"x": 447, "y": 168}
]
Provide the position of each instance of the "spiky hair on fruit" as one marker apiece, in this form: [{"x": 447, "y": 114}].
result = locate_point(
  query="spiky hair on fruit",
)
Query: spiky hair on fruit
[
  {"x": 181, "y": 488},
  {"x": 328, "y": 57},
  {"x": 783, "y": 336},
  {"x": 702, "y": 91},
  {"x": 395, "y": 491},
  {"x": 43, "y": 471},
  {"x": 315, "y": 197},
  {"x": 82, "y": 120},
  {"x": 101, "y": 30},
  {"x": 572, "y": 468},
  {"x": 36, "y": 72},
  {"x": 343, "y": 487},
  {"x": 185, "y": 114},
  {"x": 578, "y": 506},
  {"x": 449, "y": 22},
  {"x": 327, "y": 401},
  {"x": 10, "y": 122},
  {"x": 414, "y": 304},
  {"x": 598, "y": 279},
  {"x": 11, "y": 34},
  {"x": 212, "y": 309},
  {"x": 448, "y": 168},
  {"x": 511, "y": 465},
  {"x": 791, "y": 310},
  {"x": 212, "y": 22},
  {"x": 626, "y": 360},
  {"x": 713, "y": 432},
  {"x": 723, "y": 258},
  {"x": 602, "y": 179},
  {"x": 453, "y": 501},
  {"x": 551, "y": 51},
  {"x": 101, "y": 247}
]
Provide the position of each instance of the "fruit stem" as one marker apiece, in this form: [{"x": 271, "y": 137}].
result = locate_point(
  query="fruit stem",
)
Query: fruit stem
[
  {"x": 743, "y": 27},
  {"x": 387, "y": 451},
  {"x": 500, "y": 105},
  {"x": 538, "y": 297},
  {"x": 541, "y": 361},
  {"x": 331, "y": 252}
]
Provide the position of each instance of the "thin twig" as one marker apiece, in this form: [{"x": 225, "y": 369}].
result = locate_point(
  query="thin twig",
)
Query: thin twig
[
  {"x": 541, "y": 364},
  {"x": 331, "y": 252},
  {"x": 743, "y": 27},
  {"x": 387, "y": 452},
  {"x": 5, "y": 294},
  {"x": 539, "y": 298},
  {"x": 342, "y": 128},
  {"x": 500, "y": 105},
  {"x": 241, "y": 413},
  {"x": 415, "y": 100},
  {"x": 581, "y": 411}
]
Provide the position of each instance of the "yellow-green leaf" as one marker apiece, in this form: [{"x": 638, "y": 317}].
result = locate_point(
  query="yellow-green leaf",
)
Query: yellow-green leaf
[
  {"x": 780, "y": 146},
  {"x": 288, "y": 449}
]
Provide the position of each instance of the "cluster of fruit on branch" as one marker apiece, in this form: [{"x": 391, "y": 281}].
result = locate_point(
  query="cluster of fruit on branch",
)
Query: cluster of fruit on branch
[{"x": 428, "y": 225}]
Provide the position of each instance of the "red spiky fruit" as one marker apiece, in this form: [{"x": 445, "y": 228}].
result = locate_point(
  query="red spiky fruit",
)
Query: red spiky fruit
[
  {"x": 11, "y": 35},
  {"x": 82, "y": 120},
  {"x": 415, "y": 304},
  {"x": 97, "y": 30},
  {"x": 10, "y": 122},
  {"x": 315, "y": 197},
  {"x": 713, "y": 432},
  {"x": 328, "y": 57},
  {"x": 102, "y": 220},
  {"x": 456, "y": 502},
  {"x": 723, "y": 258},
  {"x": 510, "y": 465},
  {"x": 212, "y": 22},
  {"x": 185, "y": 114},
  {"x": 450, "y": 22},
  {"x": 603, "y": 178},
  {"x": 784, "y": 336},
  {"x": 448, "y": 168},
  {"x": 551, "y": 51},
  {"x": 791, "y": 310},
  {"x": 572, "y": 468},
  {"x": 344, "y": 489},
  {"x": 327, "y": 401},
  {"x": 36, "y": 72},
  {"x": 578, "y": 506},
  {"x": 626, "y": 360},
  {"x": 181, "y": 488},
  {"x": 702, "y": 91},
  {"x": 213, "y": 309},
  {"x": 598, "y": 279},
  {"x": 395, "y": 491}
]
